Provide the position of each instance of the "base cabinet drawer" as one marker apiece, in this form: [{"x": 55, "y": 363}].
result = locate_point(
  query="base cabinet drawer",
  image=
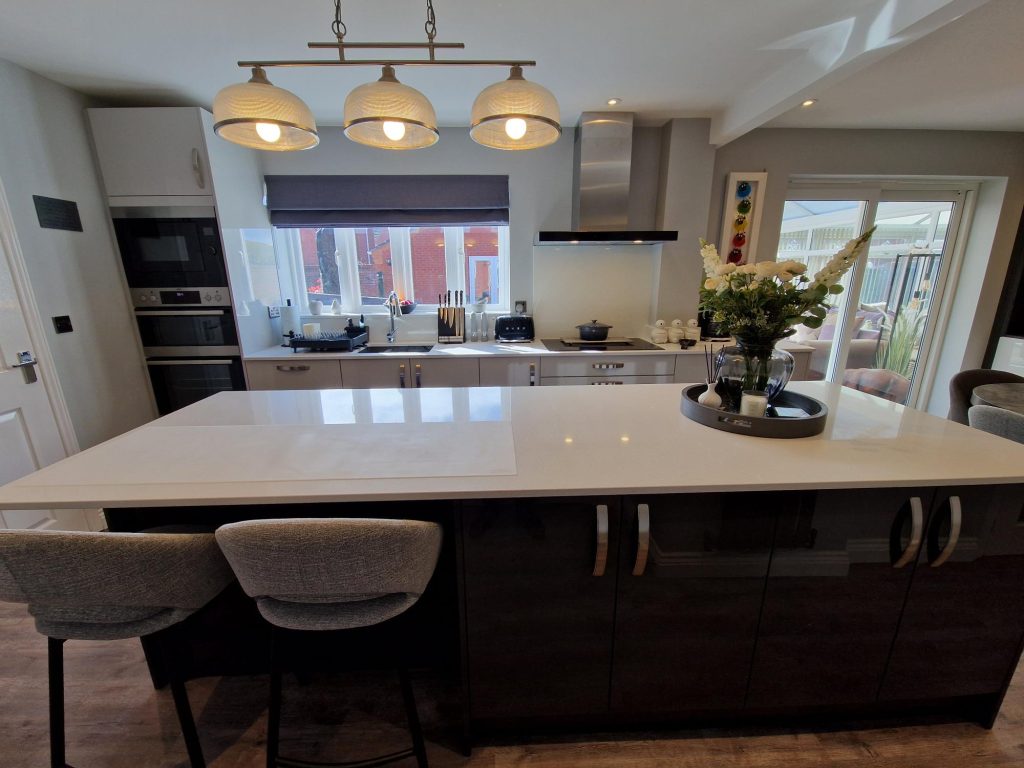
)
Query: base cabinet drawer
[
  {"x": 304, "y": 374},
  {"x": 608, "y": 365},
  {"x": 505, "y": 372},
  {"x": 560, "y": 381}
]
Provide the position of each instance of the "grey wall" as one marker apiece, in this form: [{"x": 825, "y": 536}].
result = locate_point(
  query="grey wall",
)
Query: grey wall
[
  {"x": 996, "y": 159},
  {"x": 44, "y": 150},
  {"x": 540, "y": 181}
]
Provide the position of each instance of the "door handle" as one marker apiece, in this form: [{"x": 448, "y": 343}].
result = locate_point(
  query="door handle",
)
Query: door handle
[
  {"x": 29, "y": 363},
  {"x": 643, "y": 538},
  {"x": 955, "y": 523},
  {"x": 197, "y": 169},
  {"x": 601, "y": 555},
  {"x": 916, "y": 532},
  {"x": 533, "y": 374},
  {"x": 607, "y": 366},
  {"x": 183, "y": 313},
  {"x": 292, "y": 368},
  {"x": 401, "y": 375},
  {"x": 419, "y": 373}
]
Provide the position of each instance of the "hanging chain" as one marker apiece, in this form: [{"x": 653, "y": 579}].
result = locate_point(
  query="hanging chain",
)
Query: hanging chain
[
  {"x": 339, "y": 29},
  {"x": 431, "y": 27}
]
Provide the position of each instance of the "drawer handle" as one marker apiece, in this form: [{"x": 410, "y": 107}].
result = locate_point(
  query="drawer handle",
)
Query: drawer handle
[
  {"x": 955, "y": 522},
  {"x": 601, "y": 555},
  {"x": 916, "y": 530},
  {"x": 533, "y": 374},
  {"x": 197, "y": 169},
  {"x": 607, "y": 366},
  {"x": 643, "y": 538},
  {"x": 292, "y": 368},
  {"x": 401, "y": 375},
  {"x": 604, "y": 383},
  {"x": 419, "y": 372}
]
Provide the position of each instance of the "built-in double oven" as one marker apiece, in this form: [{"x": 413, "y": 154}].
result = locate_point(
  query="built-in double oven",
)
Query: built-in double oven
[{"x": 179, "y": 289}]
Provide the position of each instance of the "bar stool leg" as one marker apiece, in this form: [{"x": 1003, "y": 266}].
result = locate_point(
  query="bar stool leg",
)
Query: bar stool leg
[
  {"x": 418, "y": 747},
  {"x": 181, "y": 704},
  {"x": 274, "y": 709},
  {"x": 55, "y": 664}
]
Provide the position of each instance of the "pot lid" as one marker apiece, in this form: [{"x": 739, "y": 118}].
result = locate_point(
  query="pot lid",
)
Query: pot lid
[{"x": 594, "y": 324}]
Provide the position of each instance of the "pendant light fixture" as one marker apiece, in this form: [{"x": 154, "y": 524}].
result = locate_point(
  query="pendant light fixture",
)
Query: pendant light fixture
[
  {"x": 515, "y": 114},
  {"x": 390, "y": 115},
  {"x": 260, "y": 115},
  {"x": 512, "y": 114}
]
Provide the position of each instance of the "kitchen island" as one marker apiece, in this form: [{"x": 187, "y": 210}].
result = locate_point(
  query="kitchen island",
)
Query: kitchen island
[{"x": 609, "y": 562}]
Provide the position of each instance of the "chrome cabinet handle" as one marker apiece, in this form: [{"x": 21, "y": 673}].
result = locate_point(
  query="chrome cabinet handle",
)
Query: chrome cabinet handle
[
  {"x": 916, "y": 531},
  {"x": 419, "y": 372},
  {"x": 955, "y": 522},
  {"x": 292, "y": 368},
  {"x": 643, "y": 538},
  {"x": 604, "y": 383},
  {"x": 533, "y": 374},
  {"x": 204, "y": 361},
  {"x": 175, "y": 313},
  {"x": 401, "y": 375},
  {"x": 197, "y": 169},
  {"x": 601, "y": 556},
  {"x": 607, "y": 366}
]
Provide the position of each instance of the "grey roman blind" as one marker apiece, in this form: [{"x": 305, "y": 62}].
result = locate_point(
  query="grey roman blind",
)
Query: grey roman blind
[{"x": 379, "y": 201}]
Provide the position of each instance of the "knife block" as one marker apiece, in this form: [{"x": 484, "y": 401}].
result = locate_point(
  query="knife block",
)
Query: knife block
[{"x": 451, "y": 325}]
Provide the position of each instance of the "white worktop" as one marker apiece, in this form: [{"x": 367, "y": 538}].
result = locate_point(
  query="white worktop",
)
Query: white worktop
[
  {"x": 335, "y": 445},
  {"x": 491, "y": 349}
]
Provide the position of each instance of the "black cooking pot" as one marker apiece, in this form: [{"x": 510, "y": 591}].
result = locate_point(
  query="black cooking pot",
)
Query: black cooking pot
[{"x": 593, "y": 331}]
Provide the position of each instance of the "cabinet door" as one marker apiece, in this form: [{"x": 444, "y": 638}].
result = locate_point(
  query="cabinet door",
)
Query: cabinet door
[
  {"x": 964, "y": 618},
  {"x": 841, "y": 566},
  {"x": 540, "y": 602},
  {"x": 376, "y": 373},
  {"x": 151, "y": 151},
  {"x": 691, "y": 577},
  {"x": 445, "y": 372},
  {"x": 509, "y": 372},
  {"x": 302, "y": 374}
]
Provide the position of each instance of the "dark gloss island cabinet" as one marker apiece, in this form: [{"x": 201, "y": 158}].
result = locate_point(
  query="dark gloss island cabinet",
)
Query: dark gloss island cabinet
[{"x": 681, "y": 607}]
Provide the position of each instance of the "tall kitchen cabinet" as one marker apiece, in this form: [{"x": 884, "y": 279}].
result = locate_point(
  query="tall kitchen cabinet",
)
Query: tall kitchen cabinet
[{"x": 963, "y": 623}]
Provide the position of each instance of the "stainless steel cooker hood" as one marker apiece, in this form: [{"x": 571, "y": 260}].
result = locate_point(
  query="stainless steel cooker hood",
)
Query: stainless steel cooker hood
[{"x": 615, "y": 184}]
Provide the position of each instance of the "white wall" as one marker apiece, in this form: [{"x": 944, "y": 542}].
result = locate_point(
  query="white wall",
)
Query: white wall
[
  {"x": 996, "y": 159},
  {"x": 540, "y": 181},
  {"x": 45, "y": 150}
]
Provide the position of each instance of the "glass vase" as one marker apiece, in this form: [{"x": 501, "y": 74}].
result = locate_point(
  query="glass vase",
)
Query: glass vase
[{"x": 752, "y": 365}]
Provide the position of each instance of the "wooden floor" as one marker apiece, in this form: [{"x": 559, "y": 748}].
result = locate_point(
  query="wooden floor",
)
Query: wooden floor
[{"x": 117, "y": 720}]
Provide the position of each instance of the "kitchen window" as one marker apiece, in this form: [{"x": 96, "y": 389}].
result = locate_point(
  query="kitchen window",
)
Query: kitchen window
[{"x": 359, "y": 267}]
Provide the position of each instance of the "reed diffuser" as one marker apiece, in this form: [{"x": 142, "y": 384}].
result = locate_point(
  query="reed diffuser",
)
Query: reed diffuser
[{"x": 709, "y": 397}]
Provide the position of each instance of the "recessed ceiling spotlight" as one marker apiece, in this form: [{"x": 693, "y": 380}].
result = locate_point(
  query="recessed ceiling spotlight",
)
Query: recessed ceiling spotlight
[
  {"x": 808, "y": 102},
  {"x": 614, "y": 101}
]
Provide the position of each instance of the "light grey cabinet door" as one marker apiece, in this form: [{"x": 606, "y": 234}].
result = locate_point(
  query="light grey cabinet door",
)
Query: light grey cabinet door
[
  {"x": 369, "y": 372},
  {"x": 509, "y": 371}
]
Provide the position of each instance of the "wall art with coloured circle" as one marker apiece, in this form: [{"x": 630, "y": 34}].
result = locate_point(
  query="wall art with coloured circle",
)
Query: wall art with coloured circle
[{"x": 741, "y": 216}]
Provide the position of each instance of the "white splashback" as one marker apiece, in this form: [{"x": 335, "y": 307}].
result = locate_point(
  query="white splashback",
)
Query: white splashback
[{"x": 575, "y": 284}]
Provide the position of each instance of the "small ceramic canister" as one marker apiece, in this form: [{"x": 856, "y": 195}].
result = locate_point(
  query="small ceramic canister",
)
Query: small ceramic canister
[
  {"x": 692, "y": 329},
  {"x": 659, "y": 333}
]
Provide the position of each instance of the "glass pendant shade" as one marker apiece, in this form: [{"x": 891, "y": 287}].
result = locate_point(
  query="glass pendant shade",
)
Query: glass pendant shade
[
  {"x": 389, "y": 115},
  {"x": 515, "y": 114},
  {"x": 259, "y": 115}
]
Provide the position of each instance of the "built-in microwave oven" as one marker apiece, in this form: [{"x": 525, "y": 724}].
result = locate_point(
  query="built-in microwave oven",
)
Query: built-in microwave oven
[{"x": 165, "y": 247}]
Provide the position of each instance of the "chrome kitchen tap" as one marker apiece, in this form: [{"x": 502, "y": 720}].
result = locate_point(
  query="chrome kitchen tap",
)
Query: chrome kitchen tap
[{"x": 394, "y": 307}]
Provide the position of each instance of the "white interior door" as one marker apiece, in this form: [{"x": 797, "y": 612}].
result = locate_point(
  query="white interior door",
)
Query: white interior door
[{"x": 29, "y": 434}]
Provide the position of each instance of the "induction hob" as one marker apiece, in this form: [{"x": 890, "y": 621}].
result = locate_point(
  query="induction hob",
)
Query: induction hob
[{"x": 610, "y": 345}]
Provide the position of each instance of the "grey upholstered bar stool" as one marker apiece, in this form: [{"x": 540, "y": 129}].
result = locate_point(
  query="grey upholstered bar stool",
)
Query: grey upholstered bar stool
[
  {"x": 332, "y": 574},
  {"x": 109, "y": 586}
]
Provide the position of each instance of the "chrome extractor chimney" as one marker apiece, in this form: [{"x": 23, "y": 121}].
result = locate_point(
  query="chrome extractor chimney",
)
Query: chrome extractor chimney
[{"x": 603, "y": 188}]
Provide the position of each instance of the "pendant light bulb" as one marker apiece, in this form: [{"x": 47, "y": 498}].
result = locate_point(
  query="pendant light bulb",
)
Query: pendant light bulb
[
  {"x": 259, "y": 115},
  {"x": 394, "y": 130},
  {"x": 515, "y": 128},
  {"x": 268, "y": 132}
]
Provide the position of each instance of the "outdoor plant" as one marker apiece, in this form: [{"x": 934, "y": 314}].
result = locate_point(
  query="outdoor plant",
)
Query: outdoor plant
[{"x": 899, "y": 352}]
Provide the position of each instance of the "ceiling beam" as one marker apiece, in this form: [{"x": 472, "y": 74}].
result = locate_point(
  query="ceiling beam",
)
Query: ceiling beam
[{"x": 828, "y": 54}]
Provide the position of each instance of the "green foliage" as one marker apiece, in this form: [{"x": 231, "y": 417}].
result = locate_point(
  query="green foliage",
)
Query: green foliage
[{"x": 903, "y": 341}]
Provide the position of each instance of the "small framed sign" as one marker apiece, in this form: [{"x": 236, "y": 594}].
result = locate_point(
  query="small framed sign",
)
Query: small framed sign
[
  {"x": 741, "y": 216},
  {"x": 57, "y": 214}
]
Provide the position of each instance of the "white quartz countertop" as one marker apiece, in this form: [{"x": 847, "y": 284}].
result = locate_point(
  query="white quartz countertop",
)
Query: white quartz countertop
[
  {"x": 387, "y": 444},
  {"x": 486, "y": 349}
]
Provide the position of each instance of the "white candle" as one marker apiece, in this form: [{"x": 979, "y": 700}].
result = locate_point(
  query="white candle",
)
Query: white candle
[{"x": 753, "y": 403}]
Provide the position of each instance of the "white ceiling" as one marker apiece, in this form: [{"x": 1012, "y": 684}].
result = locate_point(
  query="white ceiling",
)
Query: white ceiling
[{"x": 884, "y": 63}]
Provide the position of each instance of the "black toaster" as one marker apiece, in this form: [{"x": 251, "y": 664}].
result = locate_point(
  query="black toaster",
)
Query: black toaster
[{"x": 513, "y": 328}]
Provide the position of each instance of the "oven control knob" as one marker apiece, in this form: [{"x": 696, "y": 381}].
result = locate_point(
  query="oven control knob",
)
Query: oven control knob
[
  {"x": 208, "y": 297},
  {"x": 143, "y": 297},
  {"x": 217, "y": 296}
]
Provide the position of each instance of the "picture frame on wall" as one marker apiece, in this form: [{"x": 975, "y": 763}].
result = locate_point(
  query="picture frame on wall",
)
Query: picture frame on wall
[{"x": 741, "y": 216}]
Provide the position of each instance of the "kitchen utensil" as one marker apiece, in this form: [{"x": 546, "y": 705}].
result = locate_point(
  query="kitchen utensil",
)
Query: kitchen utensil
[{"x": 594, "y": 331}]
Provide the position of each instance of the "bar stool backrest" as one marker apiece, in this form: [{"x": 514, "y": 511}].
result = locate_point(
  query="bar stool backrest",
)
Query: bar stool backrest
[
  {"x": 316, "y": 573},
  {"x": 101, "y": 586},
  {"x": 998, "y": 421}
]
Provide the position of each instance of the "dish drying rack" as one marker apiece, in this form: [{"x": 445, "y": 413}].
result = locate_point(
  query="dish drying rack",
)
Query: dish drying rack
[{"x": 328, "y": 341}]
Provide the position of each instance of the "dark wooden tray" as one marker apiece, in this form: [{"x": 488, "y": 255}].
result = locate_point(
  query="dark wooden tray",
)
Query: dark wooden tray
[{"x": 758, "y": 426}]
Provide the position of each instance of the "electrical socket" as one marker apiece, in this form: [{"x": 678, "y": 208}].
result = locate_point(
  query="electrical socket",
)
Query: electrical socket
[
  {"x": 520, "y": 306},
  {"x": 274, "y": 312}
]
